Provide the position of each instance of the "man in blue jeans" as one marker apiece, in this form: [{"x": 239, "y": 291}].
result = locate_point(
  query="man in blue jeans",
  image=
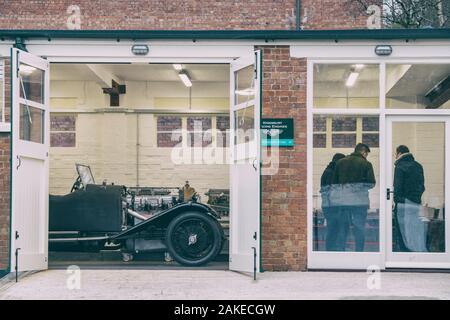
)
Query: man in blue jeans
[{"x": 352, "y": 179}]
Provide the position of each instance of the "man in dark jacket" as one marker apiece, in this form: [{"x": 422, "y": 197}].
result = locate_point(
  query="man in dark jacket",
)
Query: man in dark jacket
[
  {"x": 352, "y": 180},
  {"x": 334, "y": 232},
  {"x": 409, "y": 185}
]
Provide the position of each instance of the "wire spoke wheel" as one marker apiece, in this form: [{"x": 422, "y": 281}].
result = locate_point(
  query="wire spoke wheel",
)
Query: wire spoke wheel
[{"x": 193, "y": 238}]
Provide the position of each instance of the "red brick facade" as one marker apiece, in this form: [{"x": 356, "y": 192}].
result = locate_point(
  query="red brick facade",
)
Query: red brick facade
[
  {"x": 4, "y": 199},
  {"x": 5, "y": 178},
  {"x": 180, "y": 15},
  {"x": 284, "y": 194},
  {"x": 284, "y": 88}
]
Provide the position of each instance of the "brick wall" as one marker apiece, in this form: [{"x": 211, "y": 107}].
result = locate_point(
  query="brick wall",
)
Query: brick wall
[
  {"x": 5, "y": 178},
  {"x": 179, "y": 14},
  {"x": 4, "y": 200},
  {"x": 284, "y": 220}
]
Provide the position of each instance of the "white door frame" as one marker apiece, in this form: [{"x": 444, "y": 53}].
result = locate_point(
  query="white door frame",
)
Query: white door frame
[
  {"x": 166, "y": 52},
  {"x": 30, "y": 255},
  {"x": 417, "y": 259},
  {"x": 250, "y": 259},
  {"x": 356, "y": 260}
]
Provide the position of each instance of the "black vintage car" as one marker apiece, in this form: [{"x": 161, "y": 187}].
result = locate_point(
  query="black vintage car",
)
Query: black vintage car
[{"x": 134, "y": 220}]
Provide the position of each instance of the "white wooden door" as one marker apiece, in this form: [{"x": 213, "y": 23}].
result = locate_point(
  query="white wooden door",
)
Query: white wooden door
[
  {"x": 245, "y": 164},
  {"x": 30, "y": 147},
  {"x": 418, "y": 233}
]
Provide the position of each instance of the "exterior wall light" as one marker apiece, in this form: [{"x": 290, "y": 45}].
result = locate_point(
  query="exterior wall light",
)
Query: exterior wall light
[
  {"x": 140, "y": 49},
  {"x": 383, "y": 50}
]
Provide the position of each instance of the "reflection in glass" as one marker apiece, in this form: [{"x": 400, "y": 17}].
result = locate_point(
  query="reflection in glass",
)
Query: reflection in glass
[
  {"x": 346, "y": 198},
  {"x": 417, "y": 86},
  {"x": 31, "y": 124},
  {"x": 346, "y": 86},
  {"x": 31, "y": 83},
  {"x": 245, "y": 125},
  {"x": 419, "y": 187},
  {"x": 245, "y": 85}
]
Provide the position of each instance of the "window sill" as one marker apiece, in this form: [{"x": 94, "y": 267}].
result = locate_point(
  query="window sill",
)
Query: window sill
[{"x": 5, "y": 127}]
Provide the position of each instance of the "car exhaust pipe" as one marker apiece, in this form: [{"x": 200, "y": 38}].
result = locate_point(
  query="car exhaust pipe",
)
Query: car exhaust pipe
[{"x": 136, "y": 215}]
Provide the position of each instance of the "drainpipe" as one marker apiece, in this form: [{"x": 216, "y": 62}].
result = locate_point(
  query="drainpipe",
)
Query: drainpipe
[{"x": 298, "y": 14}]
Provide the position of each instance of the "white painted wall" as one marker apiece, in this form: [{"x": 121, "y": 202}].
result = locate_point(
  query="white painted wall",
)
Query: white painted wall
[{"x": 107, "y": 141}]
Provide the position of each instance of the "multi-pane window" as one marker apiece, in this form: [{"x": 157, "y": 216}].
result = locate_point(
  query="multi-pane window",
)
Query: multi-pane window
[
  {"x": 198, "y": 131},
  {"x": 63, "y": 130},
  {"x": 169, "y": 131},
  {"x": 345, "y": 131}
]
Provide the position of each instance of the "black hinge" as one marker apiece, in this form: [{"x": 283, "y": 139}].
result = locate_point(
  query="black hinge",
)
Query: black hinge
[
  {"x": 17, "y": 64},
  {"x": 256, "y": 65}
]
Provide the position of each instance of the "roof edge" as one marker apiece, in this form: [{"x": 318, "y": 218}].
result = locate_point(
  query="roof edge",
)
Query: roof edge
[{"x": 265, "y": 35}]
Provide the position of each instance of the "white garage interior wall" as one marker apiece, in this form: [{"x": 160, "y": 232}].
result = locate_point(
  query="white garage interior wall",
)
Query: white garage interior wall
[{"x": 112, "y": 140}]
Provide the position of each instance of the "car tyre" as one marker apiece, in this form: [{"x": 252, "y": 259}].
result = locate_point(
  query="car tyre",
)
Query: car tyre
[{"x": 194, "y": 238}]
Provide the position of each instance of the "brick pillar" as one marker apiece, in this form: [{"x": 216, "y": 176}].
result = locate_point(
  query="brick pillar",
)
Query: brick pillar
[
  {"x": 4, "y": 200},
  {"x": 284, "y": 222},
  {"x": 5, "y": 178}
]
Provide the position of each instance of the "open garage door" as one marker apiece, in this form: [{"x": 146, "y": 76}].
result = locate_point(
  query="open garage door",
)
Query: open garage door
[
  {"x": 245, "y": 166},
  {"x": 30, "y": 146}
]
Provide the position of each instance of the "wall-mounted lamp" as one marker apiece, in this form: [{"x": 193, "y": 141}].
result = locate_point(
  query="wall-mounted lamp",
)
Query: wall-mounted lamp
[
  {"x": 383, "y": 50},
  {"x": 140, "y": 49}
]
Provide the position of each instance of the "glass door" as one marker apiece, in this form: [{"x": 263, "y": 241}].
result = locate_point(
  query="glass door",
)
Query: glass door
[{"x": 416, "y": 191}]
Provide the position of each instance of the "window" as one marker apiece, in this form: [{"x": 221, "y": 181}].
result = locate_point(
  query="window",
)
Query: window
[
  {"x": 62, "y": 130},
  {"x": 345, "y": 131},
  {"x": 418, "y": 86},
  {"x": 169, "y": 131},
  {"x": 346, "y": 86},
  {"x": 223, "y": 127},
  {"x": 198, "y": 131}
]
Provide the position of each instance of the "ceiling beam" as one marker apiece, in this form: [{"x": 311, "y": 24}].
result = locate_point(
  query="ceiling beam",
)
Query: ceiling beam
[{"x": 104, "y": 76}]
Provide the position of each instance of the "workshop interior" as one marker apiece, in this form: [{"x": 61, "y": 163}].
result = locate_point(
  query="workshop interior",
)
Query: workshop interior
[{"x": 128, "y": 180}]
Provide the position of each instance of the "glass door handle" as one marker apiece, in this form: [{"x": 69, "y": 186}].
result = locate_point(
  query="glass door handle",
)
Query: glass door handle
[{"x": 388, "y": 193}]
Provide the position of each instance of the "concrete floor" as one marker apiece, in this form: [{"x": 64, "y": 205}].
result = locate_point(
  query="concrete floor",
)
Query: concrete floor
[{"x": 215, "y": 284}]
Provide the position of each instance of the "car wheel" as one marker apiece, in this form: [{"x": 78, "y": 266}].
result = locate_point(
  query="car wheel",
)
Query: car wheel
[
  {"x": 127, "y": 257},
  {"x": 194, "y": 239}
]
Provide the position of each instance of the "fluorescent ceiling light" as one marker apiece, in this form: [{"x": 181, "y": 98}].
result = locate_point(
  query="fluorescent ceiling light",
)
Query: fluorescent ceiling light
[
  {"x": 185, "y": 78},
  {"x": 177, "y": 66},
  {"x": 26, "y": 69},
  {"x": 245, "y": 92},
  {"x": 352, "y": 79}
]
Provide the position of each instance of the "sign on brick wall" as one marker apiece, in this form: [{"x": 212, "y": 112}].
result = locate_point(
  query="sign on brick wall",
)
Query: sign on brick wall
[{"x": 277, "y": 132}]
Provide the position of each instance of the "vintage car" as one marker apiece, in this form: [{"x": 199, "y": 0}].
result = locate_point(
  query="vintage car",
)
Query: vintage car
[{"x": 135, "y": 220}]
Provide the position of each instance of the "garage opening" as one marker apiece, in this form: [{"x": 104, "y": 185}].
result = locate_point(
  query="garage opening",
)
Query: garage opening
[{"x": 129, "y": 142}]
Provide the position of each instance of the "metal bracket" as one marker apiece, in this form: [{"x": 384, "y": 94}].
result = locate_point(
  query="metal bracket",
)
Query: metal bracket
[
  {"x": 20, "y": 44},
  {"x": 19, "y": 163},
  {"x": 17, "y": 264},
  {"x": 256, "y": 65},
  {"x": 254, "y": 263}
]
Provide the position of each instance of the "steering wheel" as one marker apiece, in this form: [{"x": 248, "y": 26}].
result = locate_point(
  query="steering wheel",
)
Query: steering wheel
[{"x": 77, "y": 185}]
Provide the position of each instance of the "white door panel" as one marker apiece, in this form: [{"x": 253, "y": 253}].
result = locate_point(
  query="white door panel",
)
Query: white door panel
[
  {"x": 422, "y": 240},
  {"x": 245, "y": 167},
  {"x": 30, "y": 146}
]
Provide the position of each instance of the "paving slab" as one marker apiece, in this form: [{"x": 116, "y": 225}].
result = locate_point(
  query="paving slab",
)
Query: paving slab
[{"x": 227, "y": 285}]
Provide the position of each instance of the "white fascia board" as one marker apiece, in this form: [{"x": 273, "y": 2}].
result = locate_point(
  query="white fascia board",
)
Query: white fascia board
[
  {"x": 96, "y": 49},
  {"x": 366, "y": 49}
]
